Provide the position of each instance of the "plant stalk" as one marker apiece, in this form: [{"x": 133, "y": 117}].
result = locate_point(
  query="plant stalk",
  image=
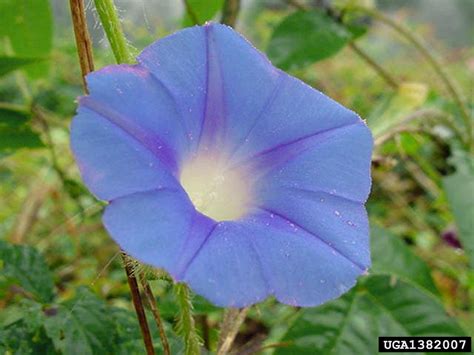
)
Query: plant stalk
[
  {"x": 138, "y": 304},
  {"x": 231, "y": 324},
  {"x": 186, "y": 324},
  {"x": 411, "y": 38},
  {"x": 83, "y": 41},
  {"x": 156, "y": 313},
  {"x": 391, "y": 81},
  {"x": 113, "y": 30}
]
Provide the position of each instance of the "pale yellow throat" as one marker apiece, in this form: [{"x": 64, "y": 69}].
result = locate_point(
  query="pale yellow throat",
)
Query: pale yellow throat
[{"x": 216, "y": 191}]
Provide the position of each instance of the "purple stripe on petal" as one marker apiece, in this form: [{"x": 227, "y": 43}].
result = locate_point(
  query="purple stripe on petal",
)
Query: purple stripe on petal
[
  {"x": 214, "y": 117},
  {"x": 153, "y": 143}
]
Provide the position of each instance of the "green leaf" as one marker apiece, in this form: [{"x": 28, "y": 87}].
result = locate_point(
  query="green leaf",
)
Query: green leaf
[
  {"x": 17, "y": 338},
  {"x": 129, "y": 337},
  {"x": 391, "y": 256},
  {"x": 380, "y": 306},
  {"x": 202, "y": 10},
  {"x": 83, "y": 325},
  {"x": 24, "y": 137},
  {"x": 9, "y": 64},
  {"x": 15, "y": 132},
  {"x": 28, "y": 24},
  {"x": 24, "y": 267},
  {"x": 305, "y": 37},
  {"x": 459, "y": 188},
  {"x": 12, "y": 117}
]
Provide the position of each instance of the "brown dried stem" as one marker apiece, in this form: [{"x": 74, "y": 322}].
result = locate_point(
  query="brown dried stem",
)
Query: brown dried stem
[
  {"x": 156, "y": 313},
  {"x": 83, "y": 41}
]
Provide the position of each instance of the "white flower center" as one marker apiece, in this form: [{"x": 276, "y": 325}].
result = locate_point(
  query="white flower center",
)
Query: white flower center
[{"x": 219, "y": 193}]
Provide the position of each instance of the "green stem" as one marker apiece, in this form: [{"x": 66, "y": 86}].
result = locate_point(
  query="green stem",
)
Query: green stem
[
  {"x": 230, "y": 12},
  {"x": 111, "y": 23},
  {"x": 391, "y": 81},
  {"x": 410, "y": 37},
  {"x": 186, "y": 325}
]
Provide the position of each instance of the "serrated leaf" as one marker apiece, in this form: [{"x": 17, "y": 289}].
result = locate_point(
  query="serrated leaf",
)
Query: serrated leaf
[
  {"x": 391, "y": 256},
  {"x": 380, "y": 306},
  {"x": 17, "y": 338},
  {"x": 25, "y": 267},
  {"x": 9, "y": 64},
  {"x": 305, "y": 37},
  {"x": 28, "y": 24},
  {"x": 202, "y": 10},
  {"x": 459, "y": 188},
  {"x": 82, "y": 326}
]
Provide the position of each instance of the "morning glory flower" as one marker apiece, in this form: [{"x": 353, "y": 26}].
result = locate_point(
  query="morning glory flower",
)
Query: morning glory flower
[{"x": 236, "y": 178}]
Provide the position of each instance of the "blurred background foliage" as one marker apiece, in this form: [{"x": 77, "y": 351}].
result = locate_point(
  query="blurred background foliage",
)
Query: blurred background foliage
[{"x": 62, "y": 285}]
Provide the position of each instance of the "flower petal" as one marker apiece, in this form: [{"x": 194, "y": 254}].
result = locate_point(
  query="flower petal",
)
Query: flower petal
[
  {"x": 301, "y": 268},
  {"x": 113, "y": 162},
  {"x": 214, "y": 70},
  {"x": 132, "y": 98},
  {"x": 336, "y": 161},
  {"x": 226, "y": 270},
  {"x": 296, "y": 111},
  {"x": 179, "y": 63},
  {"x": 159, "y": 227},
  {"x": 340, "y": 223}
]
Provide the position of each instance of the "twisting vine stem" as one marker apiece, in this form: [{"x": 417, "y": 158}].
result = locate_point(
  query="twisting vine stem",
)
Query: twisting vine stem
[
  {"x": 83, "y": 41},
  {"x": 138, "y": 304},
  {"x": 156, "y": 313},
  {"x": 186, "y": 325},
  {"x": 411, "y": 38},
  {"x": 111, "y": 24},
  {"x": 109, "y": 19},
  {"x": 385, "y": 75},
  {"x": 233, "y": 319}
]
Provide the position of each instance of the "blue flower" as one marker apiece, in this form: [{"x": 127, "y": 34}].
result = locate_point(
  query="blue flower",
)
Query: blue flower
[{"x": 235, "y": 177}]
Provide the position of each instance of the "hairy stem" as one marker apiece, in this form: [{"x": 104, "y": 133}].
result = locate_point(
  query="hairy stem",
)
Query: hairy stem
[
  {"x": 156, "y": 313},
  {"x": 138, "y": 304},
  {"x": 410, "y": 37},
  {"x": 111, "y": 24},
  {"x": 230, "y": 12},
  {"x": 83, "y": 41},
  {"x": 109, "y": 19},
  {"x": 233, "y": 319},
  {"x": 186, "y": 325}
]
